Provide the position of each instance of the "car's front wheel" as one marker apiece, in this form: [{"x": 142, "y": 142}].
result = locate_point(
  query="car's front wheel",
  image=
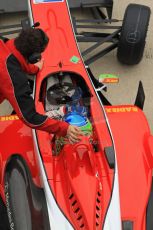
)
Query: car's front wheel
[{"x": 133, "y": 34}]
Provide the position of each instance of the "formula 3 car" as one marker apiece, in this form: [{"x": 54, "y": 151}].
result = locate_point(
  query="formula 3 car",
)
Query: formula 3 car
[{"x": 102, "y": 182}]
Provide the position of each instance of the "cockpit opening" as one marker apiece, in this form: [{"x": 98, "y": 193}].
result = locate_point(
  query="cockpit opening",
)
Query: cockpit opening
[{"x": 67, "y": 97}]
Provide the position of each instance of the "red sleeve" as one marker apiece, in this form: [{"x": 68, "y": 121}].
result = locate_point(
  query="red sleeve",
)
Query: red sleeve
[
  {"x": 18, "y": 92},
  {"x": 32, "y": 69},
  {"x": 54, "y": 126}
]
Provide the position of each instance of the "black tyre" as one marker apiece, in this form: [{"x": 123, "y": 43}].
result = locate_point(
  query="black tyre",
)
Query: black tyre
[
  {"x": 4, "y": 223},
  {"x": 26, "y": 204},
  {"x": 17, "y": 200},
  {"x": 133, "y": 34}
]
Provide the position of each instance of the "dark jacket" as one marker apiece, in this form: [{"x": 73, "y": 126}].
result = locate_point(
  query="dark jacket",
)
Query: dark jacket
[{"x": 15, "y": 88}]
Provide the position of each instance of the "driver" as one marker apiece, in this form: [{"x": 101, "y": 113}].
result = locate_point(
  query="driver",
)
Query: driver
[{"x": 14, "y": 65}]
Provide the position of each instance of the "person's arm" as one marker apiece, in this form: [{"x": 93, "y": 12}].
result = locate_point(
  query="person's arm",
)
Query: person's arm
[
  {"x": 19, "y": 95},
  {"x": 34, "y": 68}
]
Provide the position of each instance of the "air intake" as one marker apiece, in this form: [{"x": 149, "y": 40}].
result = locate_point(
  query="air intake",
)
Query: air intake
[
  {"x": 98, "y": 209},
  {"x": 77, "y": 211}
]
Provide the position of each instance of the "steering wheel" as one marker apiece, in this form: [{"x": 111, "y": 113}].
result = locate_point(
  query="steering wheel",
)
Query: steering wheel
[{"x": 58, "y": 93}]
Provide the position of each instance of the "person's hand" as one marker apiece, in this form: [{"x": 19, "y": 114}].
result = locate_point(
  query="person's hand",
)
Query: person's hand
[
  {"x": 73, "y": 134},
  {"x": 40, "y": 64}
]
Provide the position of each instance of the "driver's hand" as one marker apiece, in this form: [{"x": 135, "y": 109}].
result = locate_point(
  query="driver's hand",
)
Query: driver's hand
[
  {"x": 73, "y": 134},
  {"x": 40, "y": 64}
]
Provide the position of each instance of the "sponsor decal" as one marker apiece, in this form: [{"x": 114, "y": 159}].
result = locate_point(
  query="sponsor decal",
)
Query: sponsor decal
[
  {"x": 133, "y": 36},
  {"x": 9, "y": 118},
  {"x": 74, "y": 59},
  {"x": 46, "y": 1},
  {"x": 108, "y": 78},
  {"x": 121, "y": 109},
  {"x": 9, "y": 213}
]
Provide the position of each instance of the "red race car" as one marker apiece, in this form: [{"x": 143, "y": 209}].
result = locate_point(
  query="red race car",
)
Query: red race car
[{"x": 102, "y": 182}]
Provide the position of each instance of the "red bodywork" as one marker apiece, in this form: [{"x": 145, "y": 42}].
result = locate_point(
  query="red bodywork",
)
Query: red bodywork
[{"x": 80, "y": 178}]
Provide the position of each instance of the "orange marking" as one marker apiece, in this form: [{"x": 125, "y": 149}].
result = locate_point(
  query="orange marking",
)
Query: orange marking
[
  {"x": 121, "y": 110},
  {"x": 9, "y": 118},
  {"x": 109, "y": 80}
]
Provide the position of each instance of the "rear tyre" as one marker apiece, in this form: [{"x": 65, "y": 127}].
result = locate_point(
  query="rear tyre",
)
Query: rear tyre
[
  {"x": 133, "y": 34},
  {"x": 4, "y": 224},
  {"x": 18, "y": 207},
  {"x": 26, "y": 203}
]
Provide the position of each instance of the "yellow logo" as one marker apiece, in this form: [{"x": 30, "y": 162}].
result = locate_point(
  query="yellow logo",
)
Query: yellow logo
[
  {"x": 121, "y": 109},
  {"x": 9, "y": 118}
]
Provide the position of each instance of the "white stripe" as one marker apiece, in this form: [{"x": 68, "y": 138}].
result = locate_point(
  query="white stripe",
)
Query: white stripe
[
  {"x": 56, "y": 218},
  {"x": 42, "y": 1}
]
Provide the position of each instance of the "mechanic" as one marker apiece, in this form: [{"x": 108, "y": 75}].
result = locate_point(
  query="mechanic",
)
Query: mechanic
[{"x": 15, "y": 64}]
